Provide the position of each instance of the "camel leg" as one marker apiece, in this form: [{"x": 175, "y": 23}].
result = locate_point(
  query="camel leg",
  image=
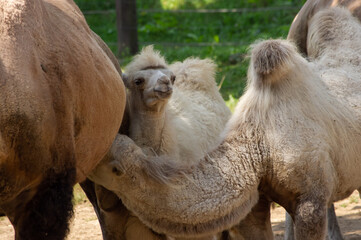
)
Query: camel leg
[
  {"x": 115, "y": 220},
  {"x": 310, "y": 219},
  {"x": 333, "y": 229},
  {"x": 257, "y": 224},
  {"x": 44, "y": 212},
  {"x": 111, "y": 212},
  {"x": 89, "y": 190},
  {"x": 289, "y": 230}
]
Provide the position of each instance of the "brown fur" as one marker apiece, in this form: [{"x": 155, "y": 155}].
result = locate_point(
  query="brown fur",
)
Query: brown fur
[{"x": 61, "y": 104}]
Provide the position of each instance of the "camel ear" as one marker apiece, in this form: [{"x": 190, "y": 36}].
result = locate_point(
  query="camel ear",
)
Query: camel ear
[{"x": 125, "y": 80}]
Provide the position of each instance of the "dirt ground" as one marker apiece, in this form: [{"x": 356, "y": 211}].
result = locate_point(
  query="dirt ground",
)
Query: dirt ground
[{"x": 85, "y": 224}]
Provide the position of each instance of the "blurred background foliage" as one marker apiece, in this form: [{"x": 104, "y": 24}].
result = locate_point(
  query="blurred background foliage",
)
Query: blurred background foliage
[{"x": 178, "y": 32}]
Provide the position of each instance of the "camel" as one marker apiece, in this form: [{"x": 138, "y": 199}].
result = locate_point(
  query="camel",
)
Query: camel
[
  {"x": 298, "y": 34},
  {"x": 165, "y": 106},
  {"x": 294, "y": 138},
  {"x": 62, "y": 102}
]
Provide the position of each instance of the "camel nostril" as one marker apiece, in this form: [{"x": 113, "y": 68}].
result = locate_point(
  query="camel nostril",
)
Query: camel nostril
[
  {"x": 170, "y": 90},
  {"x": 164, "y": 80}
]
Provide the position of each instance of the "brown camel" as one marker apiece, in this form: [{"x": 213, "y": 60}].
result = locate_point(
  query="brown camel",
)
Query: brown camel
[{"x": 62, "y": 102}]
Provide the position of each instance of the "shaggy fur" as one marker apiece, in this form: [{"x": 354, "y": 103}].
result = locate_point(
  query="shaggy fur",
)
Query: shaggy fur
[
  {"x": 147, "y": 59},
  {"x": 273, "y": 63},
  {"x": 197, "y": 107},
  {"x": 47, "y": 215},
  {"x": 55, "y": 123},
  {"x": 295, "y": 139},
  {"x": 180, "y": 125},
  {"x": 186, "y": 209}
]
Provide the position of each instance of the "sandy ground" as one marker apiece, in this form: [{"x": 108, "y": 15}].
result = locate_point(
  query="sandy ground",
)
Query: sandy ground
[{"x": 85, "y": 225}]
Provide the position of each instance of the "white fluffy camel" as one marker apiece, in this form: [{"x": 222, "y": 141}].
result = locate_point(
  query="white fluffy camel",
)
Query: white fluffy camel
[
  {"x": 295, "y": 137},
  {"x": 174, "y": 110},
  {"x": 182, "y": 119}
]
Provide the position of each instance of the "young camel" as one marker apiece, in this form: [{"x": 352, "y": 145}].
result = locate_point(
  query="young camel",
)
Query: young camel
[
  {"x": 295, "y": 138},
  {"x": 166, "y": 106}
]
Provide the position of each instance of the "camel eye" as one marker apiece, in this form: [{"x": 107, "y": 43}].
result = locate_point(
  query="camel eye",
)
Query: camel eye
[
  {"x": 139, "y": 81},
  {"x": 172, "y": 78}
]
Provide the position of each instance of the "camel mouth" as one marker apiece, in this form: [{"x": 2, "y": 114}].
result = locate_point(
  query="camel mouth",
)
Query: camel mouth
[
  {"x": 154, "y": 101},
  {"x": 160, "y": 94}
]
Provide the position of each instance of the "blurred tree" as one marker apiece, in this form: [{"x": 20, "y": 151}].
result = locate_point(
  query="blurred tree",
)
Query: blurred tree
[{"x": 127, "y": 27}]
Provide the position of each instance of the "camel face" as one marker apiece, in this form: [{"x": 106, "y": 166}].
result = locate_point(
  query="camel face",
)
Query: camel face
[{"x": 154, "y": 87}]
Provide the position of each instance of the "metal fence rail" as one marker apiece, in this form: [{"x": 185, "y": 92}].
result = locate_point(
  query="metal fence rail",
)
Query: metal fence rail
[
  {"x": 189, "y": 44},
  {"x": 222, "y": 10}
]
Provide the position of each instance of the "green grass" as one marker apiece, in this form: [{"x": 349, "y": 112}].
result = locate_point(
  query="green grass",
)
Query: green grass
[
  {"x": 159, "y": 28},
  {"x": 78, "y": 195}
]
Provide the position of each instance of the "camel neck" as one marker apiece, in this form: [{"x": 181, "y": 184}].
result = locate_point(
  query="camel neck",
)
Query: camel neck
[
  {"x": 216, "y": 194},
  {"x": 147, "y": 129},
  {"x": 221, "y": 190}
]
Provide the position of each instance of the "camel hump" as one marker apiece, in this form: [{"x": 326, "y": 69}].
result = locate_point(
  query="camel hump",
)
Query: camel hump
[
  {"x": 195, "y": 74},
  {"x": 333, "y": 23},
  {"x": 333, "y": 28},
  {"x": 272, "y": 60}
]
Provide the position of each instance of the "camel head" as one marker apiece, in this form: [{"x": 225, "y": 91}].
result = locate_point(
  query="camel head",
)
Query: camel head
[
  {"x": 150, "y": 89},
  {"x": 149, "y": 81}
]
